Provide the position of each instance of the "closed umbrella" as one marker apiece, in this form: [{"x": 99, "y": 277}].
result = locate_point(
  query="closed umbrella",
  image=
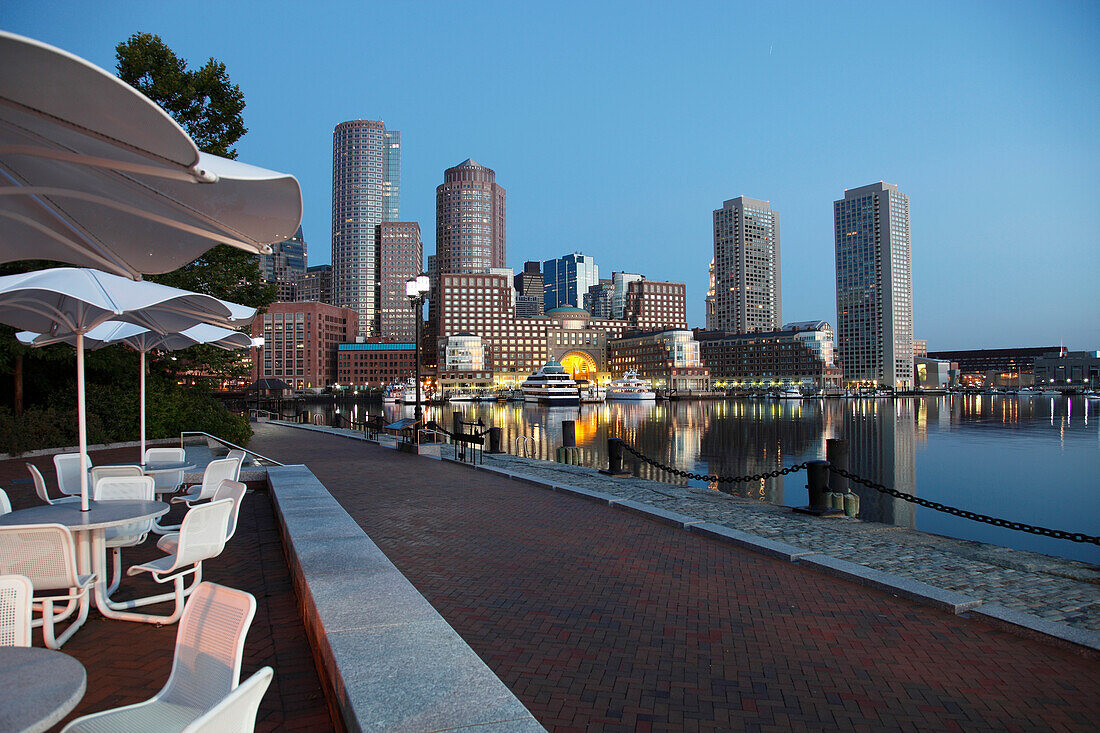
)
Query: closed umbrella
[
  {"x": 143, "y": 341},
  {"x": 73, "y": 301},
  {"x": 93, "y": 173}
]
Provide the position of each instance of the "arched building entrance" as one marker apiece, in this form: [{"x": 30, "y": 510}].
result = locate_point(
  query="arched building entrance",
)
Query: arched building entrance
[{"x": 580, "y": 364}]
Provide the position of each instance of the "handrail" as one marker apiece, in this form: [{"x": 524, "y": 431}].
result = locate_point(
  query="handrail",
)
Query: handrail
[
  {"x": 228, "y": 444},
  {"x": 527, "y": 439}
]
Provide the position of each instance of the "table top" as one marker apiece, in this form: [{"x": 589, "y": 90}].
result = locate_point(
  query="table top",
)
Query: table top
[
  {"x": 157, "y": 466},
  {"x": 40, "y": 687},
  {"x": 100, "y": 514}
]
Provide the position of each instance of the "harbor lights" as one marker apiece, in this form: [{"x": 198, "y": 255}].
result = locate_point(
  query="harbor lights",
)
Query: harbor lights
[{"x": 415, "y": 290}]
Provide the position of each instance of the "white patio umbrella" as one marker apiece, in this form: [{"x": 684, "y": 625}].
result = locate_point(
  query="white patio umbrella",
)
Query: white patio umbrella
[
  {"x": 69, "y": 300},
  {"x": 142, "y": 340},
  {"x": 95, "y": 174}
]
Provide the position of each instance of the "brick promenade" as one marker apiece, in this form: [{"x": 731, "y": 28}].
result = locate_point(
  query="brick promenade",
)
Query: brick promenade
[
  {"x": 597, "y": 619},
  {"x": 129, "y": 662}
]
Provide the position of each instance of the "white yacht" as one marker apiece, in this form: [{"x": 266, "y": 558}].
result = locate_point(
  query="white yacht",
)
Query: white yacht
[
  {"x": 551, "y": 385},
  {"x": 630, "y": 387},
  {"x": 408, "y": 396},
  {"x": 391, "y": 395},
  {"x": 790, "y": 393}
]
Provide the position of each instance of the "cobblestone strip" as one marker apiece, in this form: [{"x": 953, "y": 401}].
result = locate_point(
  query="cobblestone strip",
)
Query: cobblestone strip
[{"x": 1050, "y": 588}]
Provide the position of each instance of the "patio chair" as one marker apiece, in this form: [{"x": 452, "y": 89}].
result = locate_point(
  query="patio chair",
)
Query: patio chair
[
  {"x": 15, "y": 610},
  {"x": 40, "y": 487},
  {"x": 205, "y": 670},
  {"x": 237, "y": 710},
  {"x": 239, "y": 455},
  {"x": 97, "y": 472},
  {"x": 234, "y": 490},
  {"x": 5, "y": 504},
  {"x": 121, "y": 488},
  {"x": 201, "y": 537},
  {"x": 46, "y": 555},
  {"x": 67, "y": 466},
  {"x": 167, "y": 483},
  {"x": 216, "y": 471}
]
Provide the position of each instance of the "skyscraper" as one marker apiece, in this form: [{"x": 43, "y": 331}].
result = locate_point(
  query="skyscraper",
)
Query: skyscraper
[
  {"x": 620, "y": 282},
  {"x": 400, "y": 259},
  {"x": 874, "y": 286},
  {"x": 747, "y": 292},
  {"x": 566, "y": 280},
  {"x": 366, "y": 190},
  {"x": 470, "y": 220},
  {"x": 285, "y": 265}
]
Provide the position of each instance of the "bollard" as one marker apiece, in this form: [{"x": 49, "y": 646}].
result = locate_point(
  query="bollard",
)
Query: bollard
[
  {"x": 614, "y": 458},
  {"x": 836, "y": 453},
  {"x": 851, "y": 504},
  {"x": 835, "y": 500},
  {"x": 569, "y": 433},
  {"x": 494, "y": 441},
  {"x": 817, "y": 480},
  {"x": 457, "y": 422}
]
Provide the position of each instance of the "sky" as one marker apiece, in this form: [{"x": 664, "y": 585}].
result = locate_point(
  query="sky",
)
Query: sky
[{"x": 618, "y": 127}]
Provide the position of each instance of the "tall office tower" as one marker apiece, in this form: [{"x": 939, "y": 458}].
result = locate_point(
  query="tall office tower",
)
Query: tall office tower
[
  {"x": 366, "y": 185},
  {"x": 470, "y": 220},
  {"x": 400, "y": 255},
  {"x": 874, "y": 286},
  {"x": 747, "y": 293},
  {"x": 597, "y": 300},
  {"x": 566, "y": 280},
  {"x": 620, "y": 282},
  {"x": 285, "y": 265},
  {"x": 315, "y": 285},
  {"x": 529, "y": 286}
]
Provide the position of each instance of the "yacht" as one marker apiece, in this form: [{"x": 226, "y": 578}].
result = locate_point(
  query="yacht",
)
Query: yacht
[
  {"x": 593, "y": 393},
  {"x": 790, "y": 393},
  {"x": 551, "y": 385},
  {"x": 392, "y": 393},
  {"x": 630, "y": 387},
  {"x": 408, "y": 393},
  {"x": 461, "y": 397}
]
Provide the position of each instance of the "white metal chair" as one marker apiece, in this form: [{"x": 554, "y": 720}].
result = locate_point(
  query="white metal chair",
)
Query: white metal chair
[
  {"x": 205, "y": 670},
  {"x": 167, "y": 482},
  {"x": 15, "y": 610},
  {"x": 237, "y": 710},
  {"x": 5, "y": 503},
  {"x": 234, "y": 490},
  {"x": 46, "y": 555},
  {"x": 40, "y": 487},
  {"x": 201, "y": 537},
  {"x": 67, "y": 466},
  {"x": 216, "y": 471},
  {"x": 240, "y": 456},
  {"x": 121, "y": 488}
]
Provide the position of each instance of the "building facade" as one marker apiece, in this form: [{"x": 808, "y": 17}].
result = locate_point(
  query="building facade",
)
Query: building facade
[
  {"x": 668, "y": 359},
  {"x": 1063, "y": 368},
  {"x": 620, "y": 285},
  {"x": 374, "y": 363},
  {"x": 300, "y": 343},
  {"x": 747, "y": 287},
  {"x": 400, "y": 256},
  {"x": 366, "y": 191},
  {"x": 315, "y": 285},
  {"x": 470, "y": 220},
  {"x": 997, "y": 367},
  {"x": 598, "y": 299},
  {"x": 529, "y": 285},
  {"x": 874, "y": 287},
  {"x": 464, "y": 364},
  {"x": 656, "y": 305},
  {"x": 565, "y": 280},
  {"x": 285, "y": 266},
  {"x": 794, "y": 357}
]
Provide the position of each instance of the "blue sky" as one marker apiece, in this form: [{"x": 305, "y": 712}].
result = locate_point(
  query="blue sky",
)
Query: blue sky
[{"x": 617, "y": 128}]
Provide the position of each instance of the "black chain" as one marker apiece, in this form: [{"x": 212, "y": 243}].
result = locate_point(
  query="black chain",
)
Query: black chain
[
  {"x": 714, "y": 479},
  {"x": 966, "y": 514}
]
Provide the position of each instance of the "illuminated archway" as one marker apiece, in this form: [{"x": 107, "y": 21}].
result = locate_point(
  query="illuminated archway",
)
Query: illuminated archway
[{"x": 580, "y": 365}]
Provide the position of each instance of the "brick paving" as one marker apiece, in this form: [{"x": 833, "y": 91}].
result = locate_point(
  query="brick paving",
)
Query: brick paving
[
  {"x": 598, "y": 619},
  {"x": 129, "y": 662}
]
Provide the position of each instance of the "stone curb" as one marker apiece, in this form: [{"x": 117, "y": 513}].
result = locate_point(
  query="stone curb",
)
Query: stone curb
[
  {"x": 673, "y": 519},
  {"x": 98, "y": 446},
  {"x": 999, "y": 615},
  {"x": 386, "y": 655},
  {"x": 755, "y": 543}
]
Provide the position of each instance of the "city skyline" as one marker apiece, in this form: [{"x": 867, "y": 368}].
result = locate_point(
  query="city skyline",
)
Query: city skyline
[{"x": 616, "y": 147}]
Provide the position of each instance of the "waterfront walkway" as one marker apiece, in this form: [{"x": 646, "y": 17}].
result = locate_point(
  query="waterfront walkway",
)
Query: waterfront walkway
[{"x": 596, "y": 618}]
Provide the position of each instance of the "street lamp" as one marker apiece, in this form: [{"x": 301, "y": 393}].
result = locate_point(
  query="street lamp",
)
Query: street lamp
[{"x": 415, "y": 290}]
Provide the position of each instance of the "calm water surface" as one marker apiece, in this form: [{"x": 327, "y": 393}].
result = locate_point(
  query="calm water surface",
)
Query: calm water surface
[{"x": 1035, "y": 460}]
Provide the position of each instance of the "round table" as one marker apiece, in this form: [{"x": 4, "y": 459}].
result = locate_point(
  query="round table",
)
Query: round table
[
  {"x": 40, "y": 687},
  {"x": 89, "y": 528},
  {"x": 154, "y": 467}
]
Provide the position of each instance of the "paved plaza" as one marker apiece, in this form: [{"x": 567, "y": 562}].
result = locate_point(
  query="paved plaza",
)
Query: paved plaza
[{"x": 599, "y": 619}]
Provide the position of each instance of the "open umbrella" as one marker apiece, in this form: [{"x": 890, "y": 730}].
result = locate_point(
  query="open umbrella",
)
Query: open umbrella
[
  {"x": 93, "y": 173},
  {"x": 143, "y": 341},
  {"x": 70, "y": 300}
]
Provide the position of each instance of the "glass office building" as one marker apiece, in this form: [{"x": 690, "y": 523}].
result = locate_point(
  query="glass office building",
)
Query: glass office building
[{"x": 566, "y": 280}]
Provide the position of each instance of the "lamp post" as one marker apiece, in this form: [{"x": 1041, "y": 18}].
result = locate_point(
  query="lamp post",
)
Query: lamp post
[{"x": 415, "y": 290}]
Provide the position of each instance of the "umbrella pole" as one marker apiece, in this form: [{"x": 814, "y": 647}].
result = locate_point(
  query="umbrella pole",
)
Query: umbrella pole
[
  {"x": 142, "y": 457},
  {"x": 81, "y": 421}
]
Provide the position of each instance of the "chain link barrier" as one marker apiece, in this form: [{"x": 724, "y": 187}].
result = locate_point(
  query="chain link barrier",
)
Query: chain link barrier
[{"x": 955, "y": 511}]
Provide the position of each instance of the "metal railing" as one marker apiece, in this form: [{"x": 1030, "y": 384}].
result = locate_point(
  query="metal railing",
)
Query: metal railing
[
  {"x": 527, "y": 440},
  {"x": 210, "y": 439}
]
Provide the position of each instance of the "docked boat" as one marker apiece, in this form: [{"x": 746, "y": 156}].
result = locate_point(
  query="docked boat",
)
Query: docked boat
[
  {"x": 593, "y": 393},
  {"x": 461, "y": 397},
  {"x": 551, "y": 385},
  {"x": 391, "y": 394},
  {"x": 790, "y": 393},
  {"x": 408, "y": 394},
  {"x": 630, "y": 387}
]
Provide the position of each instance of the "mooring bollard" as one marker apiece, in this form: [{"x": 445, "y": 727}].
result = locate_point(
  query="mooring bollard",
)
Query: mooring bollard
[
  {"x": 836, "y": 453},
  {"x": 569, "y": 433},
  {"x": 614, "y": 458},
  {"x": 851, "y": 504},
  {"x": 494, "y": 440},
  {"x": 817, "y": 480}
]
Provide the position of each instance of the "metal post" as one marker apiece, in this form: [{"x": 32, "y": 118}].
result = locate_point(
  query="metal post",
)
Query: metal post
[
  {"x": 416, "y": 367},
  {"x": 614, "y": 458},
  {"x": 494, "y": 440},
  {"x": 836, "y": 453},
  {"x": 817, "y": 480},
  {"x": 569, "y": 433},
  {"x": 457, "y": 422}
]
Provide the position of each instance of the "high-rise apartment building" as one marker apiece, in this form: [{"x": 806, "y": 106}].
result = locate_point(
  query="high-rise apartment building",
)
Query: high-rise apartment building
[
  {"x": 366, "y": 191},
  {"x": 747, "y": 292},
  {"x": 874, "y": 286},
  {"x": 285, "y": 265},
  {"x": 566, "y": 280},
  {"x": 470, "y": 220},
  {"x": 400, "y": 256}
]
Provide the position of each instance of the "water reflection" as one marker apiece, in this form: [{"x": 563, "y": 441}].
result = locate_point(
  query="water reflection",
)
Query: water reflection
[{"x": 1027, "y": 459}]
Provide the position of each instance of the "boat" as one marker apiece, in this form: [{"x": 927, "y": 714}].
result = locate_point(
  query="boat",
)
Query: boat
[
  {"x": 790, "y": 393},
  {"x": 551, "y": 385},
  {"x": 593, "y": 393},
  {"x": 391, "y": 394},
  {"x": 461, "y": 397},
  {"x": 408, "y": 394},
  {"x": 1049, "y": 393},
  {"x": 630, "y": 387},
  {"x": 488, "y": 396}
]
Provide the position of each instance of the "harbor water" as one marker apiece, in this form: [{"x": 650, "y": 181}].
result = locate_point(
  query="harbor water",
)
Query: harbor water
[{"x": 1027, "y": 459}]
